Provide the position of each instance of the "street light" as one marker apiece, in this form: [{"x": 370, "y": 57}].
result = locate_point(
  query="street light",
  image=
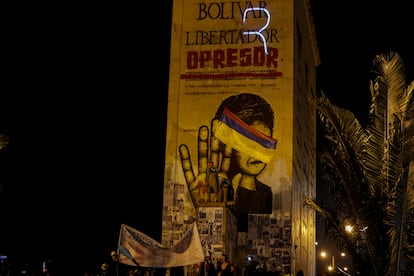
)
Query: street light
[
  {"x": 332, "y": 266},
  {"x": 349, "y": 228}
]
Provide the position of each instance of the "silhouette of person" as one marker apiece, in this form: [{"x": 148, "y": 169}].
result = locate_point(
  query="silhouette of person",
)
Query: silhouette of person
[
  {"x": 207, "y": 267},
  {"x": 247, "y": 194}
]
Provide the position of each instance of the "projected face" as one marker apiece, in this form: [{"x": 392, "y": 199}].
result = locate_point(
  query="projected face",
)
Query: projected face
[{"x": 249, "y": 165}]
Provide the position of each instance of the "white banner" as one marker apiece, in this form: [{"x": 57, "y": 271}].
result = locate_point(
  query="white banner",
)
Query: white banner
[{"x": 136, "y": 248}]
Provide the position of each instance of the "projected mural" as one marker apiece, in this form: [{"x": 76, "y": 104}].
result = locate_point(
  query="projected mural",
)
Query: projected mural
[{"x": 229, "y": 119}]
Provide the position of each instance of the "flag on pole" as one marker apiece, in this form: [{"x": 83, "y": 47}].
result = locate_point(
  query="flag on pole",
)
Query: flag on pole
[
  {"x": 136, "y": 248},
  {"x": 232, "y": 131}
]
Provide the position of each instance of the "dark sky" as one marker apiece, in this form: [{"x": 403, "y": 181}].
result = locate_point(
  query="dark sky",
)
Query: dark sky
[{"x": 83, "y": 101}]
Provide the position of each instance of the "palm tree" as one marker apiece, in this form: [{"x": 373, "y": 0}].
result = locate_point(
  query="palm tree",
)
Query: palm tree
[{"x": 370, "y": 173}]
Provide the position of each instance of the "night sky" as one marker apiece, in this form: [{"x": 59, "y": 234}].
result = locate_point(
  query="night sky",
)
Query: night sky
[{"x": 83, "y": 100}]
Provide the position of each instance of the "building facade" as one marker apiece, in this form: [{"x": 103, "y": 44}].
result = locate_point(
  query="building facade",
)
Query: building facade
[{"x": 241, "y": 135}]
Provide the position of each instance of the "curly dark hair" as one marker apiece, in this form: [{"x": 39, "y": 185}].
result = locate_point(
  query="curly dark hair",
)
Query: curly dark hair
[{"x": 249, "y": 108}]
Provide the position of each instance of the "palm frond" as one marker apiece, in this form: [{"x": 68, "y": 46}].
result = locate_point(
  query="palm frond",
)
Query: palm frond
[
  {"x": 390, "y": 119},
  {"x": 388, "y": 95},
  {"x": 345, "y": 157},
  {"x": 370, "y": 172},
  {"x": 408, "y": 124}
]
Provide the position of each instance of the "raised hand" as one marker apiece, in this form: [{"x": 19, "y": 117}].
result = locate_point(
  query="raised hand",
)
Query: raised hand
[{"x": 213, "y": 165}]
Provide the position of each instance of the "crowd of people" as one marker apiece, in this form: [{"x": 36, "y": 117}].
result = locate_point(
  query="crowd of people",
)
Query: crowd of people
[
  {"x": 225, "y": 268},
  {"x": 112, "y": 267},
  {"x": 222, "y": 268}
]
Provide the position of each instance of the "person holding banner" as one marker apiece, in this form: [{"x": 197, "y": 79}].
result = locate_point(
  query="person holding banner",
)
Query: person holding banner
[{"x": 241, "y": 136}]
